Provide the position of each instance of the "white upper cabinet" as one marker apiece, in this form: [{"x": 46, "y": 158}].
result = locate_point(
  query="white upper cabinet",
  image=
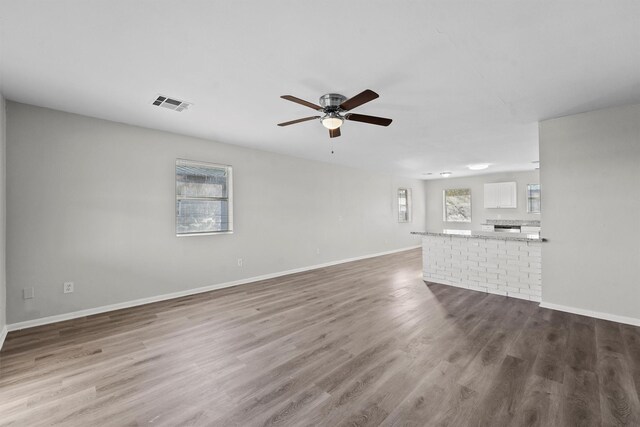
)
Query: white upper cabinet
[{"x": 500, "y": 195}]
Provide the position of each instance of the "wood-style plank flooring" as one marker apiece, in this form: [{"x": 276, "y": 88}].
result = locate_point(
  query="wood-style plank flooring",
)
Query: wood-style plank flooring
[{"x": 363, "y": 343}]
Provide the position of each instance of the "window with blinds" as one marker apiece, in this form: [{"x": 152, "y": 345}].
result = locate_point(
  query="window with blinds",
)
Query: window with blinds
[
  {"x": 533, "y": 198},
  {"x": 404, "y": 205},
  {"x": 203, "y": 198}
]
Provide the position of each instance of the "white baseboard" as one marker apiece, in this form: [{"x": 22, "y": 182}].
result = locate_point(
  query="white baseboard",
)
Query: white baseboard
[
  {"x": 102, "y": 309},
  {"x": 3, "y": 335},
  {"x": 589, "y": 313}
]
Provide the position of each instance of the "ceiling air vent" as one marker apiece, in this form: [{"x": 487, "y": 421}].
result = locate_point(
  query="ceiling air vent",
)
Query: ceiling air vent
[{"x": 170, "y": 103}]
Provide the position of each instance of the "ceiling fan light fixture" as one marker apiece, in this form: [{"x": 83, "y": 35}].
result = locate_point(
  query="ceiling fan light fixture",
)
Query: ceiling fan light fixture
[
  {"x": 335, "y": 108},
  {"x": 332, "y": 121}
]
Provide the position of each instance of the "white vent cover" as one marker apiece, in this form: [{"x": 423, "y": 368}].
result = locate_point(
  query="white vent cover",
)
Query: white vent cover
[{"x": 170, "y": 103}]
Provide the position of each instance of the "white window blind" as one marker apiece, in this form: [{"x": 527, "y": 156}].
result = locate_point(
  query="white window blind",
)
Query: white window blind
[
  {"x": 404, "y": 205},
  {"x": 533, "y": 198},
  {"x": 203, "y": 198}
]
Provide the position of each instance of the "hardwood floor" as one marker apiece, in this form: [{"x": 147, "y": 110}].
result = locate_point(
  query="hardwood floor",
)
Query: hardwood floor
[{"x": 364, "y": 343}]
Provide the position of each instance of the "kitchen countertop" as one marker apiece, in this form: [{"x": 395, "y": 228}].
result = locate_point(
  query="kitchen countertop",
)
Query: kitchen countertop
[{"x": 518, "y": 237}]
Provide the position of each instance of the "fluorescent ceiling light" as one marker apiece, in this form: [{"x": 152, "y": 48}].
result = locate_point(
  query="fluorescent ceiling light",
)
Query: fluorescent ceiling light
[
  {"x": 445, "y": 174},
  {"x": 478, "y": 166}
]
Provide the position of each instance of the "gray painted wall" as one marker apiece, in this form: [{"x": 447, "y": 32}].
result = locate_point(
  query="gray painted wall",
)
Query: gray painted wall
[
  {"x": 591, "y": 202},
  {"x": 433, "y": 199},
  {"x": 3, "y": 275},
  {"x": 92, "y": 201}
]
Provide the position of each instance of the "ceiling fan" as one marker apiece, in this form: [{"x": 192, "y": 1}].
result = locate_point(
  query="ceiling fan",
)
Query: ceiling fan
[{"x": 333, "y": 107}]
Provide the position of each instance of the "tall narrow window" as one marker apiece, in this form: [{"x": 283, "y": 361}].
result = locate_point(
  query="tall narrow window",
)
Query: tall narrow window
[
  {"x": 404, "y": 205},
  {"x": 203, "y": 198},
  {"x": 457, "y": 205},
  {"x": 533, "y": 198}
]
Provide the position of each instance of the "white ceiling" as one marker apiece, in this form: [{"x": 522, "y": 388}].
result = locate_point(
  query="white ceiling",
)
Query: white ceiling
[{"x": 464, "y": 81}]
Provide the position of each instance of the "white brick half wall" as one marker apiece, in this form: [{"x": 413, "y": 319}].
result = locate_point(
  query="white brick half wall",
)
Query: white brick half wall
[{"x": 503, "y": 267}]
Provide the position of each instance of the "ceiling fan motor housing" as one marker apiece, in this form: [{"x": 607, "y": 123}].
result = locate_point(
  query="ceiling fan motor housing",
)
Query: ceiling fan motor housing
[{"x": 332, "y": 101}]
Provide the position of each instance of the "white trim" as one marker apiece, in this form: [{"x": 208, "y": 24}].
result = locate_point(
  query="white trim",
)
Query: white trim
[
  {"x": 96, "y": 310},
  {"x": 3, "y": 335},
  {"x": 597, "y": 314}
]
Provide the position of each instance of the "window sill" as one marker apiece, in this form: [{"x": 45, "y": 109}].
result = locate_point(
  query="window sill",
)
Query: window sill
[{"x": 210, "y": 233}]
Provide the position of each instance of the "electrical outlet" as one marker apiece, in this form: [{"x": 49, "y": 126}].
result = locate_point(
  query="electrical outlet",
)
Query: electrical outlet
[
  {"x": 28, "y": 293},
  {"x": 239, "y": 262},
  {"x": 68, "y": 287}
]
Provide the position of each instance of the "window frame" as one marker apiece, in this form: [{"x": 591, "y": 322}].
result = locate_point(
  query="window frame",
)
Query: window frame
[
  {"x": 444, "y": 206},
  {"x": 229, "y": 198},
  {"x": 530, "y": 198},
  {"x": 408, "y": 217}
]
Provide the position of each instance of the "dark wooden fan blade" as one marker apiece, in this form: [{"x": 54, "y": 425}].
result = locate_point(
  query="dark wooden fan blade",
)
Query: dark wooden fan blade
[
  {"x": 361, "y": 98},
  {"x": 301, "y": 102},
  {"x": 334, "y": 133},
  {"x": 293, "y": 122},
  {"x": 380, "y": 121}
]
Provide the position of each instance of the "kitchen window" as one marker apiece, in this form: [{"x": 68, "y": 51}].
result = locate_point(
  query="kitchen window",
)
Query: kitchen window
[
  {"x": 457, "y": 205},
  {"x": 404, "y": 205},
  {"x": 204, "y": 202},
  {"x": 533, "y": 198}
]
